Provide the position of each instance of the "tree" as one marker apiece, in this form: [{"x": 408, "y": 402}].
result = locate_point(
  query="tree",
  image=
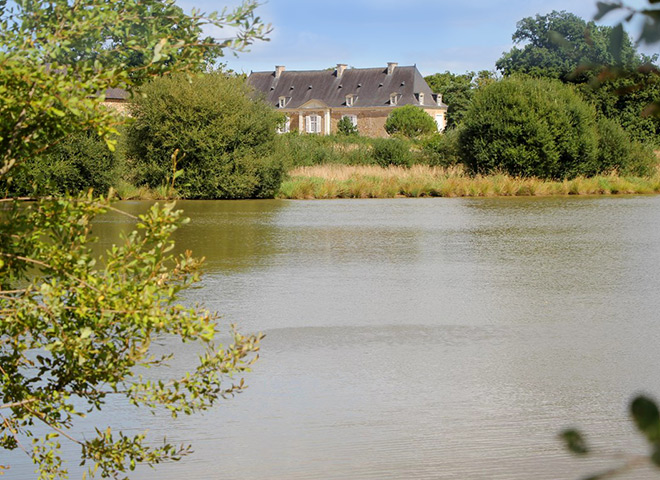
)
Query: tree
[
  {"x": 540, "y": 127},
  {"x": 612, "y": 75},
  {"x": 74, "y": 165},
  {"x": 223, "y": 135},
  {"x": 74, "y": 332},
  {"x": 562, "y": 45},
  {"x": 649, "y": 34},
  {"x": 409, "y": 121},
  {"x": 345, "y": 127},
  {"x": 456, "y": 91}
]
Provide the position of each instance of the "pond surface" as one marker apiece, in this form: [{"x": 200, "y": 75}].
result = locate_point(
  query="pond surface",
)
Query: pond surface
[{"x": 421, "y": 338}]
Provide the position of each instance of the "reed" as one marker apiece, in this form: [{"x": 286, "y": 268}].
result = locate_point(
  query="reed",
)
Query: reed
[{"x": 370, "y": 181}]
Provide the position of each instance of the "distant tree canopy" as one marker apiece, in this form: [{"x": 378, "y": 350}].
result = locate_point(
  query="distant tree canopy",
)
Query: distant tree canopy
[
  {"x": 620, "y": 82},
  {"x": 457, "y": 91},
  {"x": 564, "y": 46}
]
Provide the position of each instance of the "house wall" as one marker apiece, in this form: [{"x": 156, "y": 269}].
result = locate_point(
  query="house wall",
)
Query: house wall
[
  {"x": 370, "y": 121},
  {"x": 119, "y": 105}
]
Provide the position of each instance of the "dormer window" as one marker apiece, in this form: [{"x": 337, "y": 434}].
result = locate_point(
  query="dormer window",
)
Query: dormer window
[
  {"x": 350, "y": 100},
  {"x": 282, "y": 102},
  {"x": 421, "y": 99},
  {"x": 394, "y": 98},
  {"x": 439, "y": 99}
]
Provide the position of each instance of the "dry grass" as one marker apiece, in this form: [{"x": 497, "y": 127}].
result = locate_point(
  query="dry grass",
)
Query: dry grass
[{"x": 344, "y": 181}]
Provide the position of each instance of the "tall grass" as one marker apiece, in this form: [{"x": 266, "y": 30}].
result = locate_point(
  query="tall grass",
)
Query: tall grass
[{"x": 370, "y": 181}]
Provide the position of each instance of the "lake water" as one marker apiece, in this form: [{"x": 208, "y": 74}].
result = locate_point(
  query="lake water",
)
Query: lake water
[{"x": 420, "y": 338}]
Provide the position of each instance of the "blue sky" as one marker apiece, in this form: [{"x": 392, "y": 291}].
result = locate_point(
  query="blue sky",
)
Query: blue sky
[{"x": 436, "y": 35}]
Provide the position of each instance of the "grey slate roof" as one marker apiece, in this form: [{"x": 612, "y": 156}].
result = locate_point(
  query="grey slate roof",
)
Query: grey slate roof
[{"x": 371, "y": 86}]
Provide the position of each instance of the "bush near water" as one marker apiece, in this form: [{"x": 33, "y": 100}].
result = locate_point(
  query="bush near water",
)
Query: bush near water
[
  {"x": 224, "y": 138},
  {"x": 227, "y": 146},
  {"x": 537, "y": 127}
]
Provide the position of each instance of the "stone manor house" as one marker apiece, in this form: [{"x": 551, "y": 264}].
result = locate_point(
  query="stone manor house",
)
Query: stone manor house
[{"x": 315, "y": 100}]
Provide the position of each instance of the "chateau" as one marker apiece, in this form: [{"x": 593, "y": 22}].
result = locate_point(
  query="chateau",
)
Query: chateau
[{"x": 315, "y": 100}]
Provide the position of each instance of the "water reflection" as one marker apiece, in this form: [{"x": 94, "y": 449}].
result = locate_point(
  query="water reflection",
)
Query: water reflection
[
  {"x": 231, "y": 235},
  {"x": 423, "y": 338}
]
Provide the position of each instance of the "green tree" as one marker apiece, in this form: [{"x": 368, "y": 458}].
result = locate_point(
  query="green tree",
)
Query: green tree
[
  {"x": 612, "y": 75},
  {"x": 540, "y": 127},
  {"x": 649, "y": 34},
  {"x": 74, "y": 165},
  {"x": 74, "y": 331},
  {"x": 562, "y": 45},
  {"x": 223, "y": 135},
  {"x": 456, "y": 91},
  {"x": 345, "y": 127},
  {"x": 410, "y": 121}
]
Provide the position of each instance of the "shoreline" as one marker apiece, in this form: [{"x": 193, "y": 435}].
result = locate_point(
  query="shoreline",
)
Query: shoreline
[
  {"x": 338, "y": 181},
  {"x": 341, "y": 181}
]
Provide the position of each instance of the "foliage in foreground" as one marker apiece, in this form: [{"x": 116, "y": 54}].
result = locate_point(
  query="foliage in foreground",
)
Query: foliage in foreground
[
  {"x": 645, "y": 415},
  {"x": 76, "y": 330},
  {"x": 223, "y": 137},
  {"x": 73, "y": 331},
  {"x": 539, "y": 127}
]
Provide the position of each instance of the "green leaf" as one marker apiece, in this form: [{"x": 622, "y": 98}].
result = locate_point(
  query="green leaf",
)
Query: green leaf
[
  {"x": 646, "y": 416},
  {"x": 574, "y": 441}
]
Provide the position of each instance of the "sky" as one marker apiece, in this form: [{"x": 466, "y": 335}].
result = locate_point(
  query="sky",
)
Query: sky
[{"x": 435, "y": 35}]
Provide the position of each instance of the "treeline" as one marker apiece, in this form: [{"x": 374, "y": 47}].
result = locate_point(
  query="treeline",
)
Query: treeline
[
  {"x": 570, "y": 99},
  {"x": 207, "y": 136},
  {"x": 600, "y": 63}
]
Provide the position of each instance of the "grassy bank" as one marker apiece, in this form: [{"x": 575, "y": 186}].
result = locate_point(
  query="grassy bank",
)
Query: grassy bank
[{"x": 343, "y": 181}]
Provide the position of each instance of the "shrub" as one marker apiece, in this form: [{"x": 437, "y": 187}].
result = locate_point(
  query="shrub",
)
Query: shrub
[
  {"x": 74, "y": 165},
  {"x": 296, "y": 150},
  {"x": 530, "y": 127},
  {"x": 441, "y": 149},
  {"x": 345, "y": 127},
  {"x": 391, "y": 151},
  {"x": 409, "y": 121},
  {"x": 223, "y": 135},
  {"x": 618, "y": 152}
]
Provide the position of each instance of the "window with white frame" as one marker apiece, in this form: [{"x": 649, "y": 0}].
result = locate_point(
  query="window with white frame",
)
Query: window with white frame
[
  {"x": 282, "y": 102},
  {"x": 421, "y": 99},
  {"x": 285, "y": 127},
  {"x": 350, "y": 99},
  {"x": 352, "y": 118},
  {"x": 394, "y": 98},
  {"x": 313, "y": 124}
]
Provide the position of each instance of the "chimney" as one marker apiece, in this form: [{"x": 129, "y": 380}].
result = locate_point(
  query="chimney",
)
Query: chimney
[
  {"x": 278, "y": 70},
  {"x": 390, "y": 67},
  {"x": 340, "y": 69}
]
